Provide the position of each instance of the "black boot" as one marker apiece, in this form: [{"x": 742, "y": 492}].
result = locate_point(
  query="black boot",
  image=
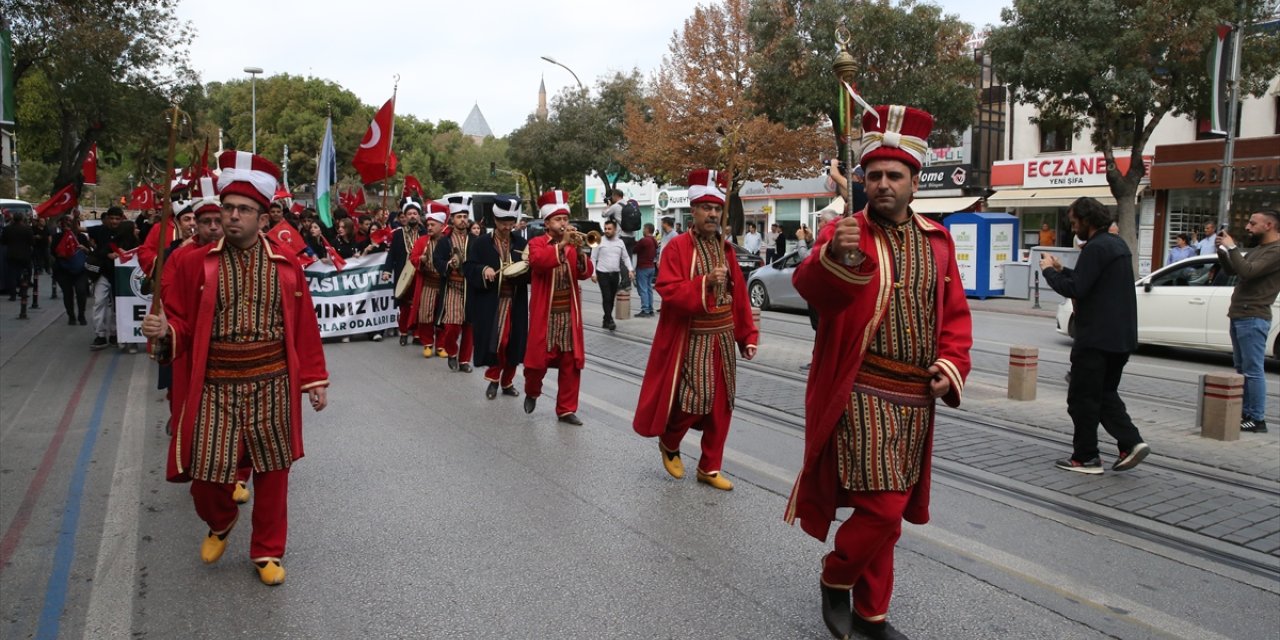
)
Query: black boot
[
  {"x": 837, "y": 611},
  {"x": 453, "y": 363},
  {"x": 530, "y": 403},
  {"x": 404, "y": 340},
  {"x": 510, "y": 391},
  {"x": 464, "y": 367},
  {"x": 492, "y": 391},
  {"x": 876, "y": 630},
  {"x": 571, "y": 418}
]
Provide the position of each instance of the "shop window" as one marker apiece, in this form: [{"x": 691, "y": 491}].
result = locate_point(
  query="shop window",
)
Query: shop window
[{"x": 1055, "y": 135}]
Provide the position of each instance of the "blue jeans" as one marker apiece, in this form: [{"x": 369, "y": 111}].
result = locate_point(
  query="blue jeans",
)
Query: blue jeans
[
  {"x": 1248, "y": 349},
  {"x": 644, "y": 284}
]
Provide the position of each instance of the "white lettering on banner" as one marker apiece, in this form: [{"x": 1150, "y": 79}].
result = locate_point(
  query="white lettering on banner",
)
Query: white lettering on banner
[
  {"x": 1069, "y": 171},
  {"x": 358, "y": 299}
]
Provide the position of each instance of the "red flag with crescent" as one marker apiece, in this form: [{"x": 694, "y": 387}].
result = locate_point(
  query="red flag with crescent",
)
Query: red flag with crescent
[
  {"x": 374, "y": 159},
  {"x": 61, "y": 202},
  {"x": 338, "y": 261},
  {"x": 290, "y": 240},
  {"x": 90, "y": 167},
  {"x": 142, "y": 198},
  {"x": 381, "y": 236}
]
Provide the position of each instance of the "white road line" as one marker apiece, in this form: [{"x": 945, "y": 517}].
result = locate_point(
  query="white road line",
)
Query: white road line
[{"x": 111, "y": 599}]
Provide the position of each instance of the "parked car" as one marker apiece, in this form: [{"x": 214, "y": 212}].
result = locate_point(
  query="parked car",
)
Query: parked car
[
  {"x": 1184, "y": 305},
  {"x": 770, "y": 286},
  {"x": 747, "y": 261}
]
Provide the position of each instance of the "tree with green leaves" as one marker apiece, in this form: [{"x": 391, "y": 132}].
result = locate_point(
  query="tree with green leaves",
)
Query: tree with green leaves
[
  {"x": 908, "y": 53},
  {"x": 1119, "y": 67},
  {"x": 97, "y": 72}
]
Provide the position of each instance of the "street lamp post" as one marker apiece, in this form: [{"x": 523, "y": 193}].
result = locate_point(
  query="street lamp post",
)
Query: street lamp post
[
  {"x": 253, "y": 90},
  {"x": 560, "y": 64}
]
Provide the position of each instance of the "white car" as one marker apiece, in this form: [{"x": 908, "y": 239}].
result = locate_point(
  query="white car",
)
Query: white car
[{"x": 1184, "y": 305}]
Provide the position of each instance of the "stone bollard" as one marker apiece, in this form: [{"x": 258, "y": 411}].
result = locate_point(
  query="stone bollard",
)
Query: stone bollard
[
  {"x": 1221, "y": 401},
  {"x": 1024, "y": 365},
  {"x": 755, "y": 317},
  {"x": 622, "y": 305}
]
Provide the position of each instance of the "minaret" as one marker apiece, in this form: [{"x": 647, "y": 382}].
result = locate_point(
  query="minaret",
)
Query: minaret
[{"x": 541, "y": 113}]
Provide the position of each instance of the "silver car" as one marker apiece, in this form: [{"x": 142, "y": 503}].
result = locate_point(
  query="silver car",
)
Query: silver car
[{"x": 770, "y": 286}]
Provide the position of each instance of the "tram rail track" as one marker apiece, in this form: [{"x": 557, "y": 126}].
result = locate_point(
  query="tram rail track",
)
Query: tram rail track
[{"x": 1265, "y": 568}]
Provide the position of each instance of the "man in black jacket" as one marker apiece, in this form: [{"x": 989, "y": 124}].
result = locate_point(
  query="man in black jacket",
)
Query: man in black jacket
[
  {"x": 1106, "y": 317},
  {"x": 19, "y": 242},
  {"x": 102, "y": 265}
]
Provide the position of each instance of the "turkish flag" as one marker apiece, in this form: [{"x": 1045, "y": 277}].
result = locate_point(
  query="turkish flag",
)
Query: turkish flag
[
  {"x": 90, "y": 167},
  {"x": 61, "y": 202},
  {"x": 142, "y": 198},
  {"x": 297, "y": 207},
  {"x": 381, "y": 236},
  {"x": 289, "y": 239},
  {"x": 374, "y": 159},
  {"x": 338, "y": 261},
  {"x": 412, "y": 186},
  {"x": 281, "y": 193},
  {"x": 357, "y": 198}
]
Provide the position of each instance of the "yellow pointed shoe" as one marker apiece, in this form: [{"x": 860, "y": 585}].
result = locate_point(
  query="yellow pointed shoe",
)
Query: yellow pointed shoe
[
  {"x": 716, "y": 480},
  {"x": 441, "y": 353},
  {"x": 241, "y": 493},
  {"x": 671, "y": 462},
  {"x": 213, "y": 546},
  {"x": 270, "y": 572},
  {"x": 427, "y": 351}
]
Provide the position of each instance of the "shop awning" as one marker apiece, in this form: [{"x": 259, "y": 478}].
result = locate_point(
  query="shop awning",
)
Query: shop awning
[
  {"x": 943, "y": 205},
  {"x": 1047, "y": 197}
]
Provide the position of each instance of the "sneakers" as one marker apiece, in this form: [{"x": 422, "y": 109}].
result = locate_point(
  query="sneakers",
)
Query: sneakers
[
  {"x": 377, "y": 337},
  {"x": 1092, "y": 466},
  {"x": 1249, "y": 425},
  {"x": 99, "y": 343},
  {"x": 1130, "y": 459}
]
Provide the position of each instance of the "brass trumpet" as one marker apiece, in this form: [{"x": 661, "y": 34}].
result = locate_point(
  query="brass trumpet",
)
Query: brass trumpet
[
  {"x": 582, "y": 240},
  {"x": 593, "y": 239}
]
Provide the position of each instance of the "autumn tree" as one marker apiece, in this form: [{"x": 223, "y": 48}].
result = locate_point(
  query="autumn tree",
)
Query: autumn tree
[
  {"x": 907, "y": 53},
  {"x": 1119, "y": 67},
  {"x": 98, "y": 72},
  {"x": 703, "y": 114}
]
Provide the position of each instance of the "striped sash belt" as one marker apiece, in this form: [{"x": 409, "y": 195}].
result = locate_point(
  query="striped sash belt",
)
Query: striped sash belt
[
  {"x": 561, "y": 300},
  {"x": 233, "y": 362},
  {"x": 720, "y": 320},
  {"x": 901, "y": 383}
]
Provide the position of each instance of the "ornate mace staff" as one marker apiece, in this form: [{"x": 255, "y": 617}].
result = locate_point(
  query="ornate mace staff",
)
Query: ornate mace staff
[{"x": 174, "y": 116}]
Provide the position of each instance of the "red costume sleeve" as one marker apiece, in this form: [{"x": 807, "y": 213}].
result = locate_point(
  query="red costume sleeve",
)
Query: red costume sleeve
[
  {"x": 419, "y": 248},
  {"x": 745, "y": 331},
  {"x": 681, "y": 294},
  {"x": 311, "y": 371},
  {"x": 543, "y": 256},
  {"x": 149, "y": 250},
  {"x": 181, "y": 298},
  {"x": 827, "y": 283},
  {"x": 955, "y": 330}
]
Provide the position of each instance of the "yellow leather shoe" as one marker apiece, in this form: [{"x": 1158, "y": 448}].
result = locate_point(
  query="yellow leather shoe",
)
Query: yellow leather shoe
[
  {"x": 270, "y": 572},
  {"x": 213, "y": 546},
  {"x": 441, "y": 353},
  {"x": 241, "y": 493},
  {"x": 671, "y": 462},
  {"x": 428, "y": 351},
  {"x": 716, "y": 480}
]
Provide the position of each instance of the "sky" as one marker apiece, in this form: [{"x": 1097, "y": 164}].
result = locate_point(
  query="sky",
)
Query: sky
[{"x": 450, "y": 55}]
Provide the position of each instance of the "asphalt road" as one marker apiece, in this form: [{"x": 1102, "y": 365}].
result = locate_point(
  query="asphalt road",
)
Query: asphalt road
[{"x": 424, "y": 511}]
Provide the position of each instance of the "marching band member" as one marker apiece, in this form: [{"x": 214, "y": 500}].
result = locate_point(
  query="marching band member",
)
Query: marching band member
[
  {"x": 426, "y": 293},
  {"x": 402, "y": 241},
  {"x": 450, "y": 254},
  {"x": 498, "y": 303}
]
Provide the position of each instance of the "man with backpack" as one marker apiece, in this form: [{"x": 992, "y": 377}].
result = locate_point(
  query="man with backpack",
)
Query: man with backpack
[{"x": 626, "y": 215}]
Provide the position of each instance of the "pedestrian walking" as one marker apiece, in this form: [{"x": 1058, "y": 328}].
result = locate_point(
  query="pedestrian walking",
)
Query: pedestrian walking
[
  {"x": 1207, "y": 245},
  {"x": 646, "y": 270},
  {"x": 101, "y": 264},
  {"x": 691, "y": 378},
  {"x": 242, "y": 312},
  {"x": 71, "y": 255},
  {"x": 894, "y": 338},
  {"x": 557, "y": 262},
  {"x": 611, "y": 263},
  {"x": 751, "y": 240},
  {"x": 1182, "y": 249},
  {"x": 19, "y": 243},
  {"x": 1257, "y": 283},
  {"x": 1106, "y": 313}
]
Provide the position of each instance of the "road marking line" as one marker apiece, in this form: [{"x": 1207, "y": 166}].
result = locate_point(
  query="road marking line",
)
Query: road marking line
[
  {"x": 22, "y": 517},
  {"x": 111, "y": 598},
  {"x": 55, "y": 595}
]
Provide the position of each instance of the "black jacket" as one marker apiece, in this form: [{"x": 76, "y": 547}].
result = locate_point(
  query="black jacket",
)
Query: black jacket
[
  {"x": 482, "y": 302},
  {"x": 1102, "y": 288}
]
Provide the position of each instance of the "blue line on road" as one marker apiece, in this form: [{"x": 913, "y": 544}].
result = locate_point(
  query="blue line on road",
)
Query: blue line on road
[{"x": 55, "y": 595}]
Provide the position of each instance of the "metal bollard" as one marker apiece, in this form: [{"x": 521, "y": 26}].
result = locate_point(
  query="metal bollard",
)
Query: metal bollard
[
  {"x": 1024, "y": 367},
  {"x": 622, "y": 305},
  {"x": 1037, "y": 304},
  {"x": 1221, "y": 402}
]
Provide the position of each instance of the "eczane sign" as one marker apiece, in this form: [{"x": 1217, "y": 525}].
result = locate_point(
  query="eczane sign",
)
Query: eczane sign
[{"x": 1071, "y": 171}]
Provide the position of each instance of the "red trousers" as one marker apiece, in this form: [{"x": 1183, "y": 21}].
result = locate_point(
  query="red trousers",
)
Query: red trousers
[
  {"x": 449, "y": 341},
  {"x": 243, "y": 472},
  {"x": 714, "y": 426},
  {"x": 270, "y": 511},
  {"x": 407, "y": 315},
  {"x": 568, "y": 380},
  {"x": 863, "y": 555},
  {"x": 426, "y": 333},
  {"x": 503, "y": 372}
]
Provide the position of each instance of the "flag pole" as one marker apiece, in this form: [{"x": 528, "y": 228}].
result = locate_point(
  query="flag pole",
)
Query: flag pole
[
  {"x": 166, "y": 221},
  {"x": 391, "y": 140}
]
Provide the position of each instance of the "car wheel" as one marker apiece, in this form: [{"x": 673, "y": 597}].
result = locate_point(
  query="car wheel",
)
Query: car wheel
[{"x": 759, "y": 296}]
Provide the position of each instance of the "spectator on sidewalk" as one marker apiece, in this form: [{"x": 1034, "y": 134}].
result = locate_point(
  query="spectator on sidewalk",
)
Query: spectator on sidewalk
[
  {"x": 668, "y": 233},
  {"x": 1048, "y": 238},
  {"x": 779, "y": 242},
  {"x": 19, "y": 243},
  {"x": 751, "y": 240},
  {"x": 1207, "y": 244},
  {"x": 70, "y": 257},
  {"x": 1106, "y": 312},
  {"x": 646, "y": 270},
  {"x": 101, "y": 263},
  {"x": 611, "y": 261},
  {"x": 1182, "y": 249},
  {"x": 1257, "y": 283}
]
